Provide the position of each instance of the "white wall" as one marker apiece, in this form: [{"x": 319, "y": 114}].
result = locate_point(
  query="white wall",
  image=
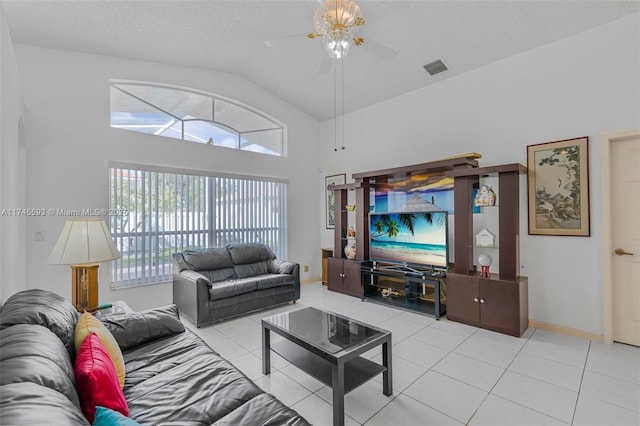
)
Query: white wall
[
  {"x": 583, "y": 85},
  {"x": 12, "y": 169},
  {"x": 70, "y": 142}
]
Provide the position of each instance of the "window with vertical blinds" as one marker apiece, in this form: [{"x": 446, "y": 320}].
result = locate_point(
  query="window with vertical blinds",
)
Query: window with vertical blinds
[{"x": 165, "y": 211}]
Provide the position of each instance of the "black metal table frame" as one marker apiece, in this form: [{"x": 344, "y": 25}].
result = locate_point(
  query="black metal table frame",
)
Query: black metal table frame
[{"x": 337, "y": 361}]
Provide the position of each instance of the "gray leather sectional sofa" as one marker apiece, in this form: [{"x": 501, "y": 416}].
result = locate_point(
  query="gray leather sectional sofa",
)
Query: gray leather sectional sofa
[
  {"x": 172, "y": 376},
  {"x": 218, "y": 283}
]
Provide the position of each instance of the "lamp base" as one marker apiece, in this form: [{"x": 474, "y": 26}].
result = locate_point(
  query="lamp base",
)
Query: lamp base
[{"x": 84, "y": 287}]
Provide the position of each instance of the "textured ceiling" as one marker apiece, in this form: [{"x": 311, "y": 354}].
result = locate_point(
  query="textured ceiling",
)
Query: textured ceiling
[{"x": 229, "y": 36}]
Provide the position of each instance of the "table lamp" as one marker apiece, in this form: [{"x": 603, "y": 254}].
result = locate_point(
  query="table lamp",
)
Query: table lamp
[{"x": 82, "y": 244}]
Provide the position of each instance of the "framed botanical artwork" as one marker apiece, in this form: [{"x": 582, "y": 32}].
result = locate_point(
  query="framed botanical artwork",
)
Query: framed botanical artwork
[
  {"x": 340, "y": 179},
  {"x": 558, "y": 187}
]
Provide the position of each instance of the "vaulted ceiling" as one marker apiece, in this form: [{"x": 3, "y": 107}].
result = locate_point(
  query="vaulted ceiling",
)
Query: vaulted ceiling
[{"x": 229, "y": 36}]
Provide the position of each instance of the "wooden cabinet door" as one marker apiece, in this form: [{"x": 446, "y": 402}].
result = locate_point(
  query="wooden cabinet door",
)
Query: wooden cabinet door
[
  {"x": 501, "y": 307},
  {"x": 463, "y": 298},
  {"x": 334, "y": 274},
  {"x": 352, "y": 278}
]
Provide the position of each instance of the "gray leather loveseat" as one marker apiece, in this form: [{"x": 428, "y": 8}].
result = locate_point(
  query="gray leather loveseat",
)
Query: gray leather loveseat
[{"x": 217, "y": 283}]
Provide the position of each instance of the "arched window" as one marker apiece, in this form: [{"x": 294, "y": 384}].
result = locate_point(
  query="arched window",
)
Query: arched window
[{"x": 194, "y": 116}]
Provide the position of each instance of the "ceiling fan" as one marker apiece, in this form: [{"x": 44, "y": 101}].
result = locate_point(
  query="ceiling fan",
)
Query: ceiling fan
[{"x": 337, "y": 23}]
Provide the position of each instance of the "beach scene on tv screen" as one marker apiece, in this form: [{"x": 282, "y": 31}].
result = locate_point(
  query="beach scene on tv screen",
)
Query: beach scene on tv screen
[{"x": 415, "y": 237}]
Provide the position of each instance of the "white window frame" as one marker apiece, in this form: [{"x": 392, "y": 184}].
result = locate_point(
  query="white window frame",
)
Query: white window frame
[
  {"x": 211, "y": 216},
  {"x": 120, "y": 85}
]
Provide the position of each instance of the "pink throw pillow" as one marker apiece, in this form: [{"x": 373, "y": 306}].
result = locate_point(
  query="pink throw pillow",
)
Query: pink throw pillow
[{"x": 97, "y": 380}]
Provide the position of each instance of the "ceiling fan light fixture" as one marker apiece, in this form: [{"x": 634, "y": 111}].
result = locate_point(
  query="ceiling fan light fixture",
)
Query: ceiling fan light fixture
[
  {"x": 336, "y": 44},
  {"x": 337, "y": 21}
]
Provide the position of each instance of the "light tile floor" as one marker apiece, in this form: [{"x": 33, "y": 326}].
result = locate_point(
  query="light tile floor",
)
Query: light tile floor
[{"x": 449, "y": 373}]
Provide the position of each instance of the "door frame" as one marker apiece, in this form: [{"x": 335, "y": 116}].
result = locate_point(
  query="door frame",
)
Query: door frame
[{"x": 607, "y": 235}]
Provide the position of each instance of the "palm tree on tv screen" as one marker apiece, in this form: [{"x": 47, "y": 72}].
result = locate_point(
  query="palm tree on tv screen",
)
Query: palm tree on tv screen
[{"x": 406, "y": 219}]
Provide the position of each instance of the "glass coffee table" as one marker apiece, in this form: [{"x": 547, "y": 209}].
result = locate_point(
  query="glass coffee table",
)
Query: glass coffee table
[{"x": 328, "y": 346}]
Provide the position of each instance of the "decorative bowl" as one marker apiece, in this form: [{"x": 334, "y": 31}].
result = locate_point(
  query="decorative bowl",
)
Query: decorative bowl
[{"x": 351, "y": 207}]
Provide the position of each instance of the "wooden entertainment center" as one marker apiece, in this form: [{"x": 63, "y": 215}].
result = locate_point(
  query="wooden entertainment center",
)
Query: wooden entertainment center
[{"x": 498, "y": 302}]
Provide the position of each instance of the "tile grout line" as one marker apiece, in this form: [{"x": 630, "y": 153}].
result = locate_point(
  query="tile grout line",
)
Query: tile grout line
[
  {"x": 427, "y": 405},
  {"x": 429, "y": 369},
  {"x": 605, "y": 375},
  {"x": 499, "y": 378},
  {"x": 584, "y": 368}
]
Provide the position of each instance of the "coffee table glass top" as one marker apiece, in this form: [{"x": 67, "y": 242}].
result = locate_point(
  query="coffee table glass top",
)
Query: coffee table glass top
[{"x": 327, "y": 330}]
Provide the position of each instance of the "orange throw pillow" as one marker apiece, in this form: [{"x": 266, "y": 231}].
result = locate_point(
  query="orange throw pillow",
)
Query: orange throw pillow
[{"x": 88, "y": 324}]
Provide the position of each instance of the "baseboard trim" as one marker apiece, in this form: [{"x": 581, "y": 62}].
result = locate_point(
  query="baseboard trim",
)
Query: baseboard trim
[
  {"x": 310, "y": 280},
  {"x": 569, "y": 331}
]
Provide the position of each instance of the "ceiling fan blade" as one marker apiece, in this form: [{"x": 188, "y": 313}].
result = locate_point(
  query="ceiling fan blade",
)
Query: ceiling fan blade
[
  {"x": 379, "y": 50},
  {"x": 383, "y": 10},
  {"x": 289, "y": 40},
  {"x": 325, "y": 65}
]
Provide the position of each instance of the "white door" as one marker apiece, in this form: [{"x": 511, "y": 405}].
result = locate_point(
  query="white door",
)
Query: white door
[{"x": 625, "y": 215}]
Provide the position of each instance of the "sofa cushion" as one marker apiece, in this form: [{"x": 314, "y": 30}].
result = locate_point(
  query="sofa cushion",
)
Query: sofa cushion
[
  {"x": 97, "y": 379},
  {"x": 263, "y": 410},
  {"x": 249, "y": 253},
  {"x": 203, "y": 259},
  {"x": 32, "y": 353},
  {"x": 52, "y": 312},
  {"x": 108, "y": 417},
  {"x": 224, "y": 289},
  {"x": 88, "y": 324},
  {"x": 131, "y": 330},
  {"x": 251, "y": 269},
  {"x": 251, "y": 299},
  {"x": 219, "y": 274},
  {"x": 180, "y": 380},
  {"x": 274, "y": 280},
  {"x": 32, "y": 404},
  {"x": 152, "y": 358}
]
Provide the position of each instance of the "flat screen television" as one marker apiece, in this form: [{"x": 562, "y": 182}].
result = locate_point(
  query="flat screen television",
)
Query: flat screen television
[{"x": 410, "y": 238}]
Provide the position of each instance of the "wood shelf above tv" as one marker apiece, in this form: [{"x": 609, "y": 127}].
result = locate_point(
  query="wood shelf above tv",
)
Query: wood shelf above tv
[
  {"x": 479, "y": 171},
  {"x": 422, "y": 168}
]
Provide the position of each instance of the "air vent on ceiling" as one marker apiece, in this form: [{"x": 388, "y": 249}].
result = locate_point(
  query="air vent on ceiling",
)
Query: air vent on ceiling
[{"x": 435, "y": 67}]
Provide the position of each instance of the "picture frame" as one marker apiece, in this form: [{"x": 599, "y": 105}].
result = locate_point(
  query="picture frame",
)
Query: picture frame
[
  {"x": 558, "y": 188},
  {"x": 339, "y": 179}
]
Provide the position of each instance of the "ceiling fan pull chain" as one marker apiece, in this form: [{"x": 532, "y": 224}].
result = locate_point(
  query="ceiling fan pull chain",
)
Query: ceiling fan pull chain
[
  {"x": 335, "y": 109},
  {"x": 342, "y": 92}
]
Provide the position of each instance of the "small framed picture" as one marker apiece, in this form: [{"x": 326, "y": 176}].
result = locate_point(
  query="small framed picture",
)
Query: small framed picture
[
  {"x": 330, "y": 181},
  {"x": 558, "y": 187}
]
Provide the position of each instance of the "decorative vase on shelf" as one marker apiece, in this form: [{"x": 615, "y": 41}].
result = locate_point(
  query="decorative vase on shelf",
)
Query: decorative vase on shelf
[
  {"x": 351, "y": 232},
  {"x": 350, "y": 251},
  {"x": 486, "y": 196}
]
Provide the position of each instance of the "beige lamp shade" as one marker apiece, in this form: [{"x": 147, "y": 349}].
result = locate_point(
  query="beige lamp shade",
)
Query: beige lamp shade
[{"x": 84, "y": 241}]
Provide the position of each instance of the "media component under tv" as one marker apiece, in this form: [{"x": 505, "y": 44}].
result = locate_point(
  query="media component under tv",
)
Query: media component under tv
[{"x": 409, "y": 238}]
